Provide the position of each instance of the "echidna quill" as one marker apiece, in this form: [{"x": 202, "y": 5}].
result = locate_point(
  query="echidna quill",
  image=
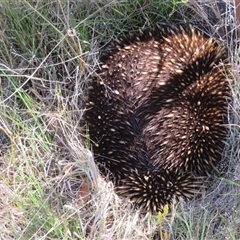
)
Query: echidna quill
[{"x": 157, "y": 113}]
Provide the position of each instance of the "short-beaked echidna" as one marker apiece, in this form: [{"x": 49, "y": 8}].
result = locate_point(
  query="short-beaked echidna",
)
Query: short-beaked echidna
[{"x": 156, "y": 111}]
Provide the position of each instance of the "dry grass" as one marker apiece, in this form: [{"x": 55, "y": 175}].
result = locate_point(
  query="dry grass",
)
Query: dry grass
[{"x": 49, "y": 185}]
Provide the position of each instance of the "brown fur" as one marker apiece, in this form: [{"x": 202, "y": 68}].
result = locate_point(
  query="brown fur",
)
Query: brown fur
[{"x": 156, "y": 113}]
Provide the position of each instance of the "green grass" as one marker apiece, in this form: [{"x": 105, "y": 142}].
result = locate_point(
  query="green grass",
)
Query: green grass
[{"x": 48, "y": 51}]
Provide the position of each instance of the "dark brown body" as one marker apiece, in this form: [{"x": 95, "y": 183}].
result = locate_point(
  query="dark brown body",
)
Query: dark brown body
[{"x": 156, "y": 113}]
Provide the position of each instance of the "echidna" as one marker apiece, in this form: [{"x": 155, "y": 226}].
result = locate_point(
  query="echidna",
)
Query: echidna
[{"x": 156, "y": 112}]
